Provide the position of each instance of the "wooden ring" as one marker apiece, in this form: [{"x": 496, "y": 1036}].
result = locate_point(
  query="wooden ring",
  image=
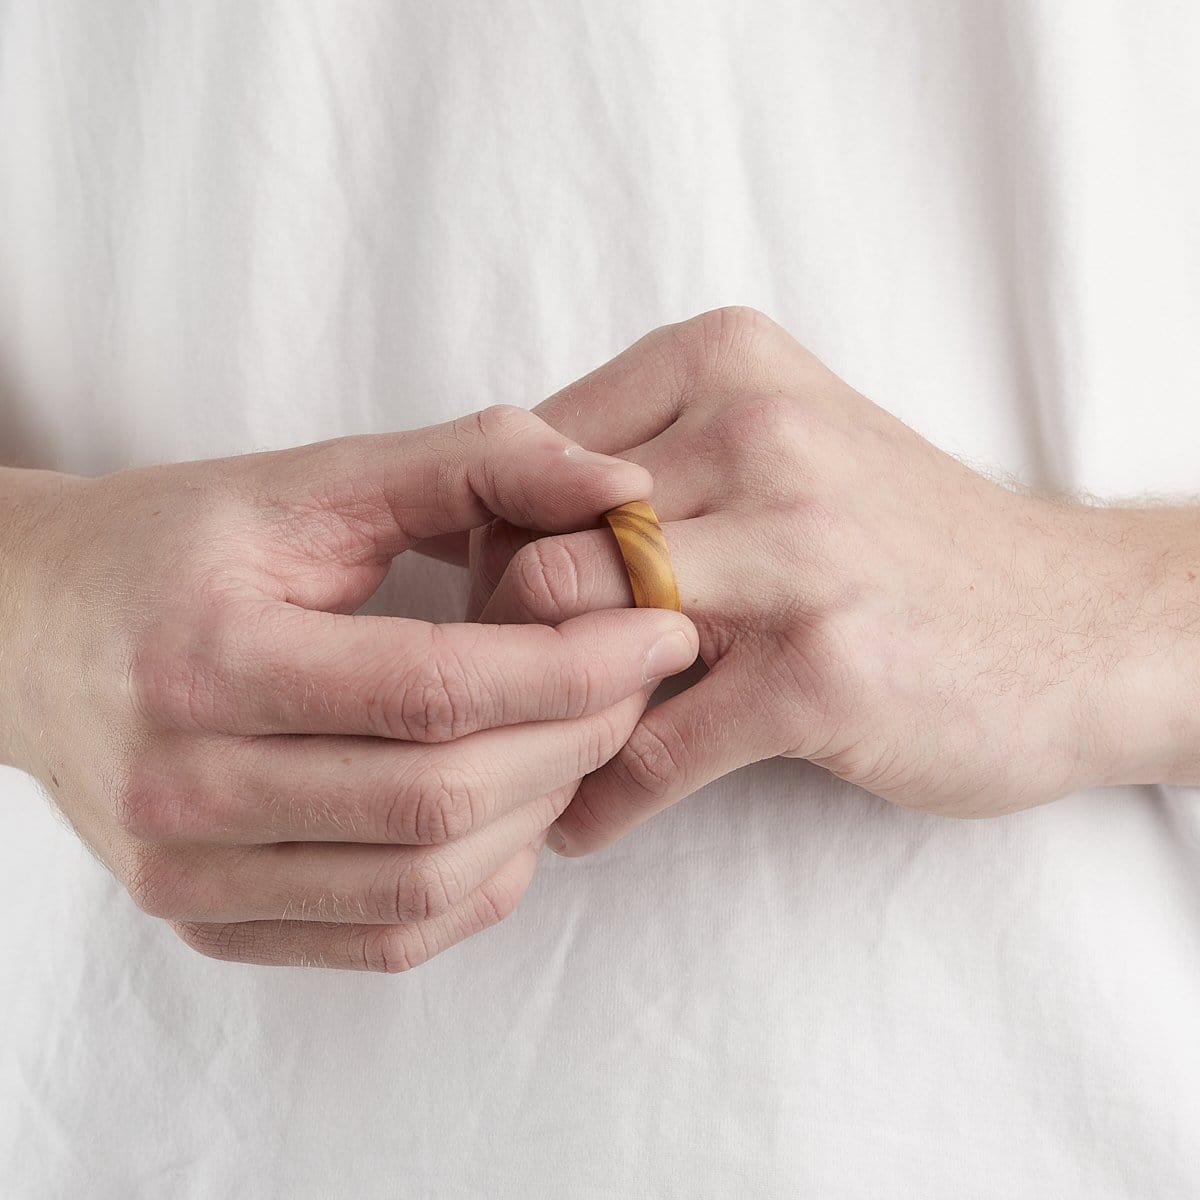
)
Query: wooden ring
[{"x": 644, "y": 548}]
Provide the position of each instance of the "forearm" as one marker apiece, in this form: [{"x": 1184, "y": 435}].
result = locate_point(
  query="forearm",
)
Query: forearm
[
  {"x": 27, "y": 498},
  {"x": 1145, "y": 570}
]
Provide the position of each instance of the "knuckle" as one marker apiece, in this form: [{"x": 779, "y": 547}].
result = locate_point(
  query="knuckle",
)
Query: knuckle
[
  {"x": 173, "y": 674},
  {"x": 722, "y": 343},
  {"x": 138, "y": 804},
  {"x": 732, "y": 323},
  {"x": 155, "y": 882},
  {"x": 427, "y": 712},
  {"x": 150, "y": 805},
  {"x": 443, "y": 807},
  {"x": 650, "y": 761},
  {"x": 165, "y": 682},
  {"x": 497, "y": 427},
  {"x": 753, "y": 425},
  {"x": 228, "y": 941},
  {"x": 503, "y": 420},
  {"x": 150, "y": 814},
  {"x": 390, "y": 951},
  {"x": 546, "y": 577},
  {"x": 764, "y": 441},
  {"x": 423, "y": 889},
  {"x": 765, "y": 418},
  {"x": 431, "y": 702},
  {"x": 603, "y": 736},
  {"x": 496, "y": 899}
]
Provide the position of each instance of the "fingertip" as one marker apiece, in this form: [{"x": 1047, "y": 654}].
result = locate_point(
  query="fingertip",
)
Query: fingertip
[
  {"x": 673, "y": 652},
  {"x": 593, "y": 460},
  {"x": 680, "y": 626},
  {"x": 684, "y": 624},
  {"x": 660, "y": 633},
  {"x": 557, "y": 841},
  {"x": 523, "y": 469},
  {"x": 617, "y": 479}
]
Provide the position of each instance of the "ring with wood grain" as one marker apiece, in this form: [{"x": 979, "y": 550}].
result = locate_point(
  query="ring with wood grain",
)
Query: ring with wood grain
[{"x": 644, "y": 549}]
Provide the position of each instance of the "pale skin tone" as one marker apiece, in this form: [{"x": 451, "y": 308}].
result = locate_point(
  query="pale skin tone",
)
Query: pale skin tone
[
  {"x": 278, "y": 779},
  {"x": 863, "y": 600},
  {"x": 283, "y": 782}
]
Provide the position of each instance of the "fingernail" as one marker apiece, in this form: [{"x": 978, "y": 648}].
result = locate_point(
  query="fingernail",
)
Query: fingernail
[
  {"x": 555, "y": 840},
  {"x": 594, "y": 461},
  {"x": 668, "y": 656}
]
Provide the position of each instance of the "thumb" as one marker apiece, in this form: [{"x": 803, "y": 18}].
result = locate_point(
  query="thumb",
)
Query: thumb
[{"x": 403, "y": 488}]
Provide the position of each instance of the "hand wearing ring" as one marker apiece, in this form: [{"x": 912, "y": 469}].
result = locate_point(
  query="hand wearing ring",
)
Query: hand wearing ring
[{"x": 843, "y": 614}]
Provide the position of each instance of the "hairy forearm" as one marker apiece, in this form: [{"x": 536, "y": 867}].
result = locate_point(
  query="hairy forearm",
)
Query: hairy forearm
[
  {"x": 1145, "y": 657},
  {"x": 27, "y": 500}
]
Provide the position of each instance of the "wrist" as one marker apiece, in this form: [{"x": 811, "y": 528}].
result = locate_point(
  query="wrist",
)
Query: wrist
[
  {"x": 1141, "y": 567},
  {"x": 28, "y": 545}
]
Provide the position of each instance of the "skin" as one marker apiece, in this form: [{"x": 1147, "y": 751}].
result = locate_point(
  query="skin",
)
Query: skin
[
  {"x": 863, "y": 600},
  {"x": 280, "y": 780},
  {"x": 284, "y": 782}
]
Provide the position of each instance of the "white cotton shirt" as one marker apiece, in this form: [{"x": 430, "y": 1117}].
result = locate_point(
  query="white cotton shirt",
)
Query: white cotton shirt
[{"x": 230, "y": 226}]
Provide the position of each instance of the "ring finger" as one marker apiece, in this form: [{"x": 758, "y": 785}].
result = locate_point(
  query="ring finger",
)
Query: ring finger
[{"x": 337, "y": 882}]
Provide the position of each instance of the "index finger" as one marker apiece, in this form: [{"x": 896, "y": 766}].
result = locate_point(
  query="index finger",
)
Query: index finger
[{"x": 285, "y": 669}]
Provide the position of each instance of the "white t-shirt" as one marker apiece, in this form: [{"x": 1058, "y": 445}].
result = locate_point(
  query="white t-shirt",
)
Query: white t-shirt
[{"x": 229, "y": 226}]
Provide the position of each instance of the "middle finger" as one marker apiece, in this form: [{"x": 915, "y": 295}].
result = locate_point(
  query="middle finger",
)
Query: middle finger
[
  {"x": 311, "y": 788},
  {"x": 330, "y": 882}
]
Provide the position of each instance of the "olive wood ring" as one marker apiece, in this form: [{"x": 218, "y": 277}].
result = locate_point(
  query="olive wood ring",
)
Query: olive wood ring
[{"x": 644, "y": 548}]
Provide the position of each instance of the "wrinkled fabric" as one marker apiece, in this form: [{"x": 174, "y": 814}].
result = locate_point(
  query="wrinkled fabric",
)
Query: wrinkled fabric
[{"x": 230, "y": 226}]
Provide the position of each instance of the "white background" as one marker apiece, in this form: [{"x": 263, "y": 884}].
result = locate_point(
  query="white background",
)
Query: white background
[{"x": 226, "y": 226}]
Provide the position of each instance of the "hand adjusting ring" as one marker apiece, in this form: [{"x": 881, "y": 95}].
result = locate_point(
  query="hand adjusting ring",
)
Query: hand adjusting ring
[{"x": 644, "y": 548}]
